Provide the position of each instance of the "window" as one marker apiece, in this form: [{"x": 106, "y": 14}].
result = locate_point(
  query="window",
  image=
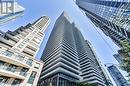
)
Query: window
[
  {"x": 2, "y": 64},
  {"x": 8, "y": 53},
  {"x": 16, "y": 82},
  {"x": 32, "y": 77},
  {"x": 29, "y": 62},
  {"x": 23, "y": 71},
  {"x": 3, "y": 80},
  {"x": 19, "y": 57},
  {"x": 37, "y": 66},
  {"x": 11, "y": 68}
]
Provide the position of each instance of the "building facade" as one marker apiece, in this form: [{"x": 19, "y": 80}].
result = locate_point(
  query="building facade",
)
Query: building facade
[
  {"x": 92, "y": 68},
  {"x": 111, "y": 16},
  {"x": 18, "y": 49},
  {"x": 66, "y": 57},
  {"x": 119, "y": 58},
  {"x": 123, "y": 66},
  {"x": 117, "y": 76},
  {"x": 10, "y": 10},
  {"x": 61, "y": 64}
]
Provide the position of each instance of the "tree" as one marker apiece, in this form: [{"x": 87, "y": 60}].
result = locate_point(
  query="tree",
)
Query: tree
[
  {"x": 126, "y": 64},
  {"x": 125, "y": 46},
  {"x": 126, "y": 58}
]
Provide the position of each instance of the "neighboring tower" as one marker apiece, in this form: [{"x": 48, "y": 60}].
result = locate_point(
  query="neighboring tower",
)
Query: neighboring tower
[
  {"x": 18, "y": 49},
  {"x": 111, "y": 16},
  {"x": 66, "y": 57},
  {"x": 119, "y": 58},
  {"x": 92, "y": 68},
  {"x": 117, "y": 76},
  {"x": 123, "y": 66},
  {"x": 10, "y": 10}
]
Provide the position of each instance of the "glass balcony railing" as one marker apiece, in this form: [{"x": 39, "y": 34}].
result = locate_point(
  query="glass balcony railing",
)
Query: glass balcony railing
[
  {"x": 7, "y": 53},
  {"x": 13, "y": 68},
  {"x": 3, "y": 81},
  {"x": 23, "y": 72},
  {"x": 32, "y": 78},
  {"x": 29, "y": 62},
  {"x": 18, "y": 57}
]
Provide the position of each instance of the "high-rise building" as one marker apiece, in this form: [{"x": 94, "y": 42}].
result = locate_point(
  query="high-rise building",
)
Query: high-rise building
[
  {"x": 10, "y": 10},
  {"x": 18, "y": 49},
  {"x": 111, "y": 16},
  {"x": 119, "y": 58},
  {"x": 123, "y": 66},
  {"x": 92, "y": 67},
  {"x": 67, "y": 57},
  {"x": 117, "y": 76},
  {"x": 61, "y": 64}
]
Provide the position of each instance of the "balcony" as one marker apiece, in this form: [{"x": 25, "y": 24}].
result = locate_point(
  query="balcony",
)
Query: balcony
[
  {"x": 12, "y": 58},
  {"x": 10, "y": 74},
  {"x": 33, "y": 44},
  {"x": 12, "y": 70},
  {"x": 19, "y": 36},
  {"x": 11, "y": 36},
  {"x": 9, "y": 42},
  {"x": 29, "y": 62},
  {"x": 24, "y": 33},
  {"x": 31, "y": 52}
]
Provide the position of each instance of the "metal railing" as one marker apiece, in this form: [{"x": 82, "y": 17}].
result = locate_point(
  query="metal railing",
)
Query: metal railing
[
  {"x": 17, "y": 56},
  {"x": 13, "y": 69}
]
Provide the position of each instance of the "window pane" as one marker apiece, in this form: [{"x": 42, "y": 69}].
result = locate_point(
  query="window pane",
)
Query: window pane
[
  {"x": 16, "y": 82},
  {"x": 32, "y": 77},
  {"x": 29, "y": 62}
]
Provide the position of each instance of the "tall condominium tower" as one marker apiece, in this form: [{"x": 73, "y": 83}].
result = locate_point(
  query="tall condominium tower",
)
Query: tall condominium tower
[
  {"x": 18, "y": 49},
  {"x": 91, "y": 67},
  {"x": 111, "y": 16},
  {"x": 66, "y": 59},
  {"x": 61, "y": 64},
  {"x": 117, "y": 76},
  {"x": 10, "y": 10}
]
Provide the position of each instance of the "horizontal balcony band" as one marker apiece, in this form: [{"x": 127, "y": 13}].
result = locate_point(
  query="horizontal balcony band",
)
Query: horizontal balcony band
[
  {"x": 11, "y": 74},
  {"x": 12, "y": 60}
]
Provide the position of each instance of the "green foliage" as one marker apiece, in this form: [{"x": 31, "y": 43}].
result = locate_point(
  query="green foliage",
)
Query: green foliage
[
  {"x": 127, "y": 64},
  {"x": 125, "y": 49},
  {"x": 125, "y": 45}
]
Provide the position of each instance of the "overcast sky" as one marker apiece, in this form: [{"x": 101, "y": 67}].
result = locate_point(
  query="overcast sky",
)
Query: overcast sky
[{"x": 53, "y": 8}]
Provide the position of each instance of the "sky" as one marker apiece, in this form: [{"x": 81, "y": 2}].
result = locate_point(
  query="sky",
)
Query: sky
[{"x": 53, "y": 8}]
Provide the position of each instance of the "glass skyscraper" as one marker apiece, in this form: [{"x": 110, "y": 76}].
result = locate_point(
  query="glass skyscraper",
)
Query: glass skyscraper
[
  {"x": 119, "y": 58},
  {"x": 117, "y": 76},
  {"x": 61, "y": 67},
  {"x": 91, "y": 68},
  {"x": 111, "y": 16},
  {"x": 68, "y": 57}
]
